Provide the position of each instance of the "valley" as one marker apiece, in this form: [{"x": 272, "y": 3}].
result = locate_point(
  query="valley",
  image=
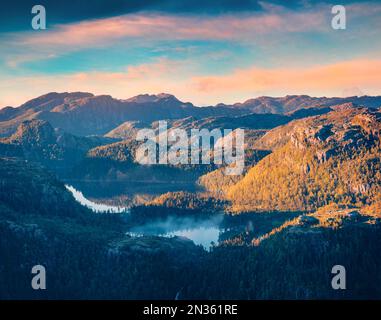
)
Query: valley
[{"x": 74, "y": 197}]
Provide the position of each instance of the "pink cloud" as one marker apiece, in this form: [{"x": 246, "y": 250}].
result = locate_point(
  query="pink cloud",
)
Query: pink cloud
[
  {"x": 262, "y": 29},
  {"x": 324, "y": 78},
  {"x": 159, "y": 27},
  {"x": 169, "y": 76},
  {"x": 162, "y": 75}
]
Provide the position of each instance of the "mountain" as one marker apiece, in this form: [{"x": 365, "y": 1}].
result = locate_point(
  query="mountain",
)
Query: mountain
[
  {"x": 324, "y": 159},
  {"x": 217, "y": 182},
  {"x": 253, "y": 124},
  {"x": 41, "y": 223},
  {"x": 7, "y": 112},
  {"x": 127, "y": 130},
  {"x": 28, "y": 189},
  {"x": 293, "y": 103},
  {"x": 85, "y": 114},
  {"x": 332, "y": 216},
  {"x": 152, "y": 98},
  {"x": 38, "y": 141},
  {"x": 124, "y": 151},
  {"x": 316, "y": 161}
]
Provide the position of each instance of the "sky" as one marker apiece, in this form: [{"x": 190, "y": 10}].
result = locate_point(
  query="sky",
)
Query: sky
[{"x": 205, "y": 52}]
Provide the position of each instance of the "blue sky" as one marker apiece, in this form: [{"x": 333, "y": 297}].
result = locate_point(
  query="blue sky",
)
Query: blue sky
[{"x": 205, "y": 52}]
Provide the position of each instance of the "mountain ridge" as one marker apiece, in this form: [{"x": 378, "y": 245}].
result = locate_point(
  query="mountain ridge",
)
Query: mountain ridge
[{"x": 83, "y": 113}]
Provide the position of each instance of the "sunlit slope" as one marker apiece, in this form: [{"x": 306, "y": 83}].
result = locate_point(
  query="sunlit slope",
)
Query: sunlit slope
[{"x": 333, "y": 158}]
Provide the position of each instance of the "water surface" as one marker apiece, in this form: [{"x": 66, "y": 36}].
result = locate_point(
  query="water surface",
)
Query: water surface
[{"x": 96, "y": 207}]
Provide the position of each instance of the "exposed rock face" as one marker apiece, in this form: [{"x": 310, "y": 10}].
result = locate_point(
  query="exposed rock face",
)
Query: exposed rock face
[{"x": 337, "y": 135}]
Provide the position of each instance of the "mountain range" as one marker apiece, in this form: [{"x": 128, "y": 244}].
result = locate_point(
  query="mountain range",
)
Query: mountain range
[
  {"x": 84, "y": 114},
  {"x": 309, "y": 197},
  {"x": 296, "y": 158}
]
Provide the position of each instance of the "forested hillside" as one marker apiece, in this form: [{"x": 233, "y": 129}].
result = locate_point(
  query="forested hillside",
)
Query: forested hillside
[
  {"x": 309, "y": 198},
  {"x": 334, "y": 158}
]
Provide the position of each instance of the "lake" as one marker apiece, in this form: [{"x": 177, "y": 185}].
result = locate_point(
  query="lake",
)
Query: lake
[{"x": 202, "y": 229}]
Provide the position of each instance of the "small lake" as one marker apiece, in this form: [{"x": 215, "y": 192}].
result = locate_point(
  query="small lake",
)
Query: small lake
[{"x": 202, "y": 231}]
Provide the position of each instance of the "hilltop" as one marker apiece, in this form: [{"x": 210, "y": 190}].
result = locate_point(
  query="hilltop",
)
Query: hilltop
[{"x": 37, "y": 141}]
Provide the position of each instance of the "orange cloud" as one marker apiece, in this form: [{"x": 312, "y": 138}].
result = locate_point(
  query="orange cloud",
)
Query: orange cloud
[
  {"x": 326, "y": 78},
  {"x": 177, "y": 78},
  {"x": 162, "y": 75}
]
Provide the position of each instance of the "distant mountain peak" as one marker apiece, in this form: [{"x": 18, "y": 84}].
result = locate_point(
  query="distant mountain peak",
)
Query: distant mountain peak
[
  {"x": 166, "y": 96},
  {"x": 32, "y": 126},
  {"x": 83, "y": 113},
  {"x": 32, "y": 133},
  {"x": 292, "y": 103},
  {"x": 149, "y": 98},
  {"x": 50, "y": 100},
  {"x": 58, "y": 95}
]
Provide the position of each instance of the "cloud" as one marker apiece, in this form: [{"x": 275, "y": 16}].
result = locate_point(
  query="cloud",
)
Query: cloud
[
  {"x": 331, "y": 78},
  {"x": 16, "y": 14},
  {"x": 165, "y": 27},
  {"x": 161, "y": 75},
  {"x": 177, "y": 78},
  {"x": 261, "y": 43},
  {"x": 150, "y": 30},
  {"x": 265, "y": 29},
  {"x": 352, "y": 91},
  {"x": 141, "y": 30}
]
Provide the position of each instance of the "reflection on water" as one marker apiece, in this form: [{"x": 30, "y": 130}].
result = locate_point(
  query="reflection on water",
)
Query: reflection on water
[
  {"x": 126, "y": 193},
  {"x": 200, "y": 236},
  {"x": 96, "y": 207},
  {"x": 202, "y": 231}
]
